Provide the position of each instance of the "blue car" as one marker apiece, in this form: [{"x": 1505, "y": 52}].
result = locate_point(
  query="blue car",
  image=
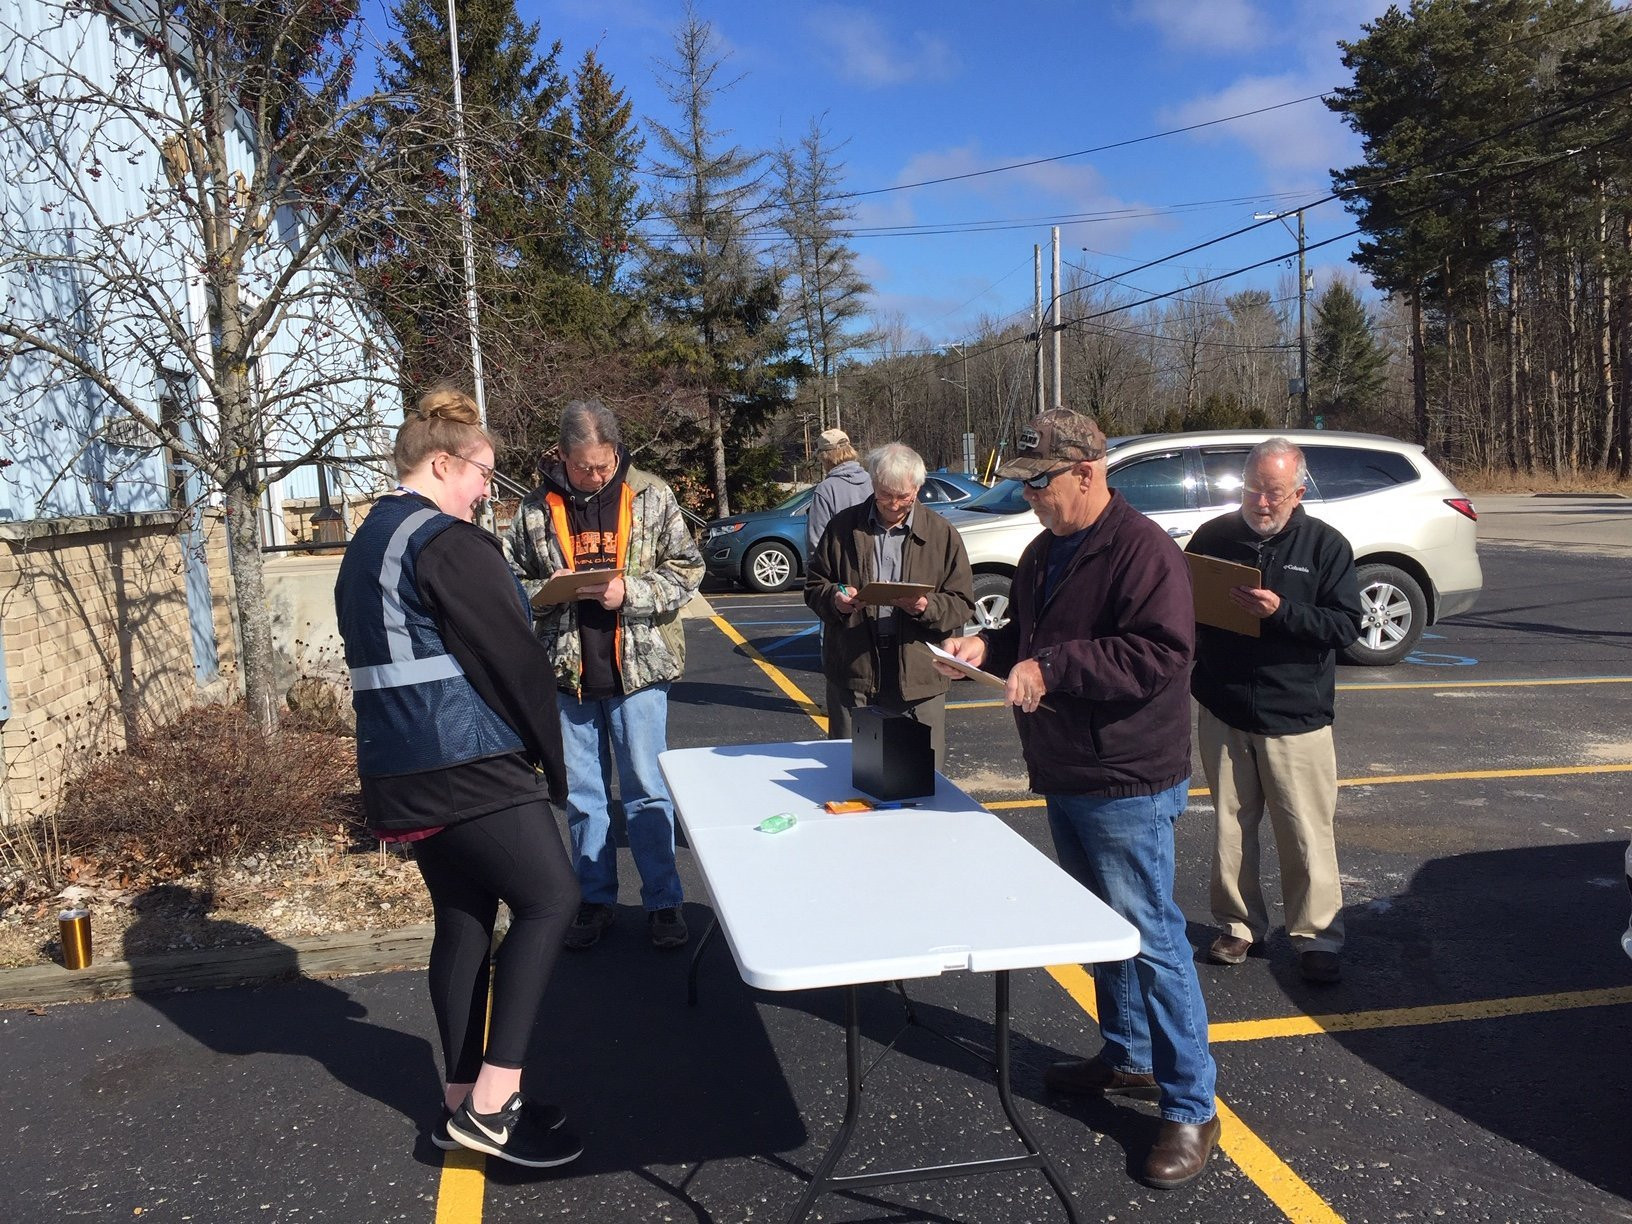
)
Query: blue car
[{"x": 765, "y": 550}]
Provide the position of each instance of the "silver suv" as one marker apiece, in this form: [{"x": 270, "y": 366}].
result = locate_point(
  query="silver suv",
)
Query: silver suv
[{"x": 1411, "y": 529}]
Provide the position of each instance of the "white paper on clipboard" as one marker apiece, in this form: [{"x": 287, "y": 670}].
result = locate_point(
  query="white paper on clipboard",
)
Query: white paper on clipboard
[{"x": 968, "y": 669}]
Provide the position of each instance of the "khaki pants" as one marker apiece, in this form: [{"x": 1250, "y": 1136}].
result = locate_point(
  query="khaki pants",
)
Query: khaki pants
[{"x": 1295, "y": 778}]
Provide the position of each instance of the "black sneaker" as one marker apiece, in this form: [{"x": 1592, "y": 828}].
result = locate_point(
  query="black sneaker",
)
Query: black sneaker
[
  {"x": 591, "y": 922},
  {"x": 668, "y": 928},
  {"x": 543, "y": 1114},
  {"x": 514, "y": 1134}
]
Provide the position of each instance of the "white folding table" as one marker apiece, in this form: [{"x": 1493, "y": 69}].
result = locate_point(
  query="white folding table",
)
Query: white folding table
[{"x": 879, "y": 896}]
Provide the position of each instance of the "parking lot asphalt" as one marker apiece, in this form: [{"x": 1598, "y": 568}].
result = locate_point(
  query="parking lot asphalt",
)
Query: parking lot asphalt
[{"x": 1472, "y": 1065}]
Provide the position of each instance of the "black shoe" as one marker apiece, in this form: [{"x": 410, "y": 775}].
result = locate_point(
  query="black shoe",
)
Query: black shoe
[
  {"x": 590, "y": 924},
  {"x": 543, "y": 1114},
  {"x": 514, "y": 1134},
  {"x": 668, "y": 928},
  {"x": 1096, "y": 1077},
  {"x": 1320, "y": 966}
]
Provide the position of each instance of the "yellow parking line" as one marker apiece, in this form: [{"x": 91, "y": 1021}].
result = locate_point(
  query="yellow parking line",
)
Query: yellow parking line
[
  {"x": 1472, "y": 684},
  {"x": 787, "y": 686},
  {"x": 460, "y": 1192},
  {"x": 1402, "y": 1017},
  {"x": 1283, "y": 1187},
  {"x": 1294, "y": 1196},
  {"x": 1385, "y": 687},
  {"x": 1541, "y": 771}
]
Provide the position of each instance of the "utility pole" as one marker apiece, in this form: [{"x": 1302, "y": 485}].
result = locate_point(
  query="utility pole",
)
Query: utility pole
[
  {"x": 1301, "y": 383},
  {"x": 464, "y": 219},
  {"x": 968, "y": 427},
  {"x": 1037, "y": 316},
  {"x": 1303, "y": 333},
  {"x": 1054, "y": 315}
]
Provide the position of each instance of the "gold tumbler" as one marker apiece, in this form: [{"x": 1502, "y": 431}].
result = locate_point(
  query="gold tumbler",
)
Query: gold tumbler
[{"x": 75, "y": 925}]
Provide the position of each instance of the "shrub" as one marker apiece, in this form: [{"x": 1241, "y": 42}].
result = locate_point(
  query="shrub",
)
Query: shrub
[{"x": 205, "y": 788}]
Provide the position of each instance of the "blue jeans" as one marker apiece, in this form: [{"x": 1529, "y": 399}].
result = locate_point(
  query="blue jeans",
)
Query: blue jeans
[
  {"x": 629, "y": 731},
  {"x": 1151, "y": 1012}
]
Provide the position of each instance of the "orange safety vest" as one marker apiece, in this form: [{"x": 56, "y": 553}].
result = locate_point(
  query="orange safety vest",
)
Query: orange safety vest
[{"x": 563, "y": 532}]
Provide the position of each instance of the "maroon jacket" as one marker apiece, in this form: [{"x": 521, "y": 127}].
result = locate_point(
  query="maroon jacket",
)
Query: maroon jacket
[{"x": 1114, "y": 643}]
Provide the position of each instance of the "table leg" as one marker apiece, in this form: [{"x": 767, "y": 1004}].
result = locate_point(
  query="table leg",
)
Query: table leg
[
  {"x": 1005, "y": 1096},
  {"x": 1035, "y": 1158},
  {"x": 822, "y": 1180},
  {"x": 696, "y": 959}
]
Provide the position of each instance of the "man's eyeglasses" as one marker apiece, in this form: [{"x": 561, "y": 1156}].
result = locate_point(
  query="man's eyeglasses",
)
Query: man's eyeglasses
[
  {"x": 1269, "y": 499},
  {"x": 1042, "y": 480},
  {"x": 594, "y": 469},
  {"x": 485, "y": 469}
]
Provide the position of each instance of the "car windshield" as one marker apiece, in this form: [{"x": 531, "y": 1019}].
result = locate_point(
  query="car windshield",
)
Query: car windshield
[
  {"x": 1002, "y": 498},
  {"x": 797, "y": 500}
]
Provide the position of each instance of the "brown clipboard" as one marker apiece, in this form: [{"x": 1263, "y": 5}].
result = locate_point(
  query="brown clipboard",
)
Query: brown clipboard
[
  {"x": 876, "y": 592},
  {"x": 1210, "y": 582},
  {"x": 564, "y": 588}
]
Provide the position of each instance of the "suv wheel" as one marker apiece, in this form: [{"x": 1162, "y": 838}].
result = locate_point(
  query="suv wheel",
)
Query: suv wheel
[
  {"x": 991, "y": 603},
  {"x": 769, "y": 567},
  {"x": 1394, "y": 614}
]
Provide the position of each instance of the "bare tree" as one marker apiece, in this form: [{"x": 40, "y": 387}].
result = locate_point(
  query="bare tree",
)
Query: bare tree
[{"x": 178, "y": 177}]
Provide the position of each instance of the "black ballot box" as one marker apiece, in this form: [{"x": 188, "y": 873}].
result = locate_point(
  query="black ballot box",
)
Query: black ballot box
[{"x": 891, "y": 756}]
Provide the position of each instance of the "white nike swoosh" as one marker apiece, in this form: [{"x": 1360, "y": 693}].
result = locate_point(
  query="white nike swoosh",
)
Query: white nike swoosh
[{"x": 502, "y": 1136}]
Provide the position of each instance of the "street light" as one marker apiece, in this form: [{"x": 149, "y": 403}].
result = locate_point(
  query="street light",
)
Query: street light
[{"x": 1303, "y": 291}]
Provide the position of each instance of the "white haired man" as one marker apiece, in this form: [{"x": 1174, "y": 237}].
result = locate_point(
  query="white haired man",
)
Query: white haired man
[
  {"x": 1266, "y": 710},
  {"x": 865, "y": 648}
]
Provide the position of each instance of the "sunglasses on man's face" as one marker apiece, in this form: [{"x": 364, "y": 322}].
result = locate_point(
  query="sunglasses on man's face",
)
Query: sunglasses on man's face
[{"x": 1042, "y": 480}]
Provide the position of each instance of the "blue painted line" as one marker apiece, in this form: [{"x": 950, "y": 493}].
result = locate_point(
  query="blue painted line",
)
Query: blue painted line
[
  {"x": 801, "y": 621},
  {"x": 792, "y": 637},
  {"x": 1426, "y": 658}
]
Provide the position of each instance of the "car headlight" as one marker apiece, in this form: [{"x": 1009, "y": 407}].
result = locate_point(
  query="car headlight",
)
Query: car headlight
[{"x": 714, "y": 533}]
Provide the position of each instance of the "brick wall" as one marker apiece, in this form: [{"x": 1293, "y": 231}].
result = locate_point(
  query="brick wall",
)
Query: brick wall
[{"x": 93, "y": 613}]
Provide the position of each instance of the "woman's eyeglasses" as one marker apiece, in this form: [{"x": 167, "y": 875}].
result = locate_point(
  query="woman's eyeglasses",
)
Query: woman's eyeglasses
[{"x": 485, "y": 469}]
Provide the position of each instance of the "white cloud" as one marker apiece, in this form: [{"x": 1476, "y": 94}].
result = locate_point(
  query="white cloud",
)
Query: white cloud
[
  {"x": 859, "y": 49},
  {"x": 1297, "y": 145},
  {"x": 1221, "y": 26}
]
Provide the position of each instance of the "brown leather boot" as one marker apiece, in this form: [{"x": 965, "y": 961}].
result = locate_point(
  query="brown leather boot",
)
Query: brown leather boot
[
  {"x": 1095, "y": 1077},
  {"x": 1180, "y": 1154}
]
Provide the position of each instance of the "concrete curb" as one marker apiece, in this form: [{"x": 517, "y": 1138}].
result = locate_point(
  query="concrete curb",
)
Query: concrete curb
[{"x": 270, "y": 960}]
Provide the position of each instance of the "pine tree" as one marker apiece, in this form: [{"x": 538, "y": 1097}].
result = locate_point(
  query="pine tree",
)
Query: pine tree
[
  {"x": 516, "y": 135},
  {"x": 1345, "y": 362},
  {"x": 604, "y": 198},
  {"x": 717, "y": 303}
]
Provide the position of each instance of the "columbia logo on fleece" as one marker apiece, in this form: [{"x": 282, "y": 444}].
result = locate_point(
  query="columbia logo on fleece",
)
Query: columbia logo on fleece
[{"x": 1297, "y": 569}]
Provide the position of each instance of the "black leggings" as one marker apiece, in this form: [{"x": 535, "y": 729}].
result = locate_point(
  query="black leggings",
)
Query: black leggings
[{"x": 514, "y": 856}]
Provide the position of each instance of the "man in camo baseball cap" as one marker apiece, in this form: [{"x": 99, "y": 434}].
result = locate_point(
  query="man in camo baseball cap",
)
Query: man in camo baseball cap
[{"x": 1052, "y": 442}]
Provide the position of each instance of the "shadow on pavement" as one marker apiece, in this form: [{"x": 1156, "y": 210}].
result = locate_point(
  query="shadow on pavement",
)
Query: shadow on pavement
[
  {"x": 646, "y": 1079},
  {"x": 1494, "y": 925},
  {"x": 304, "y": 1018}
]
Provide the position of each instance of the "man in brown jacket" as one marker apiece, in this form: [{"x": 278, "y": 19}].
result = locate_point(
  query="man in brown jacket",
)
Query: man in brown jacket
[{"x": 869, "y": 652}]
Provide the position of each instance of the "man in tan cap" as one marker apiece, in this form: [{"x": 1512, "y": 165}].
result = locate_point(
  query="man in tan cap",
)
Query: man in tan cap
[
  {"x": 1101, "y": 624},
  {"x": 846, "y": 484}
]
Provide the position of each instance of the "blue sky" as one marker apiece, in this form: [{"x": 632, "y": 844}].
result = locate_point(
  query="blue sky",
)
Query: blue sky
[{"x": 919, "y": 91}]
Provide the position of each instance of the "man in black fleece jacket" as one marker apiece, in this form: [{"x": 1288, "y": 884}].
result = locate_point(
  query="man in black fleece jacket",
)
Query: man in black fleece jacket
[{"x": 1267, "y": 704}]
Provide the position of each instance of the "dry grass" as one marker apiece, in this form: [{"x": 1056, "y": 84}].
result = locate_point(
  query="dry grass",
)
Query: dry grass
[{"x": 1481, "y": 480}]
